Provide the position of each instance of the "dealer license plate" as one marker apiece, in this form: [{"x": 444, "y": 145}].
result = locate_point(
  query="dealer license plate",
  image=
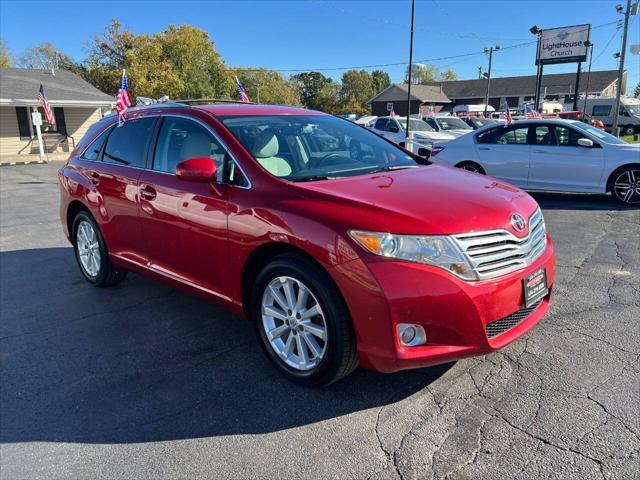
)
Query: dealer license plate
[{"x": 535, "y": 286}]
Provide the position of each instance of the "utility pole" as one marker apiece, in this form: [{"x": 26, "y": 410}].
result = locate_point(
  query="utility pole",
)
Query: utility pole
[
  {"x": 488, "y": 75},
  {"x": 586, "y": 92},
  {"x": 406, "y": 130},
  {"x": 577, "y": 94},
  {"x": 537, "y": 31},
  {"x": 616, "y": 109}
]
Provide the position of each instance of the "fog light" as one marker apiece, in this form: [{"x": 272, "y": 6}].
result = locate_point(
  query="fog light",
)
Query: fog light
[{"x": 411, "y": 334}]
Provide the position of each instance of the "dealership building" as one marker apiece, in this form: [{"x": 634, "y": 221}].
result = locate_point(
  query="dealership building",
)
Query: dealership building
[
  {"x": 76, "y": 106},
  {"x": 443, "y": 96}
]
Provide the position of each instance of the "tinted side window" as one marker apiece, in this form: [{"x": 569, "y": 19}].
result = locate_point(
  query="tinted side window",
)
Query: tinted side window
[
  {"x": 432, "y": 123},
  {"x": 93, "y": 151},
  {"x": 380, "y": 124},
  {"x": 601, "y": 110},
  {"x": 127, "y": 144},
  {"x": 181, "y": 139},
  {"x": 513, "y": 136},
  {"x": 543, "y": 135},
  {"x": 567, "y": 137}
]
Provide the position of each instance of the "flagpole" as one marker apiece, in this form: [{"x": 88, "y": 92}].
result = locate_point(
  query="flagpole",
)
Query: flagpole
[{"x": 406, "y": 130}]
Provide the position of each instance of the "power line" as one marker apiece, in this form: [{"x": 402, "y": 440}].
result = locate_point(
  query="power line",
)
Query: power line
[{"x": 396, "y": 64}]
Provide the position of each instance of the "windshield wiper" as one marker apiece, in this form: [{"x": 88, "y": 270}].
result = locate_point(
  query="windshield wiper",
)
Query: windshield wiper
[
  {"x": 391, "y": 168},
  {"x": 309, "y": 178}
]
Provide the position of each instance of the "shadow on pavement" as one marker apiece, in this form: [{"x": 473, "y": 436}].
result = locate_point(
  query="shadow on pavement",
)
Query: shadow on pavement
[
  {"x": 143, "y": 363},
  {"x": 577, "y": 201}
]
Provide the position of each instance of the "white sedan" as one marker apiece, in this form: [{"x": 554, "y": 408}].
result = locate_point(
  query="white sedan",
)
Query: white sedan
[
  {"x": 447, "y": 124},
  {"x": 549, "y": 155},
  {"x": 394, "y": 128}
]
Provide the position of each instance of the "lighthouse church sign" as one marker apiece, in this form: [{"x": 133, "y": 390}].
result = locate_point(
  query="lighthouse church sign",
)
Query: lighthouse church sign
[{"x": 563, "y": 45}]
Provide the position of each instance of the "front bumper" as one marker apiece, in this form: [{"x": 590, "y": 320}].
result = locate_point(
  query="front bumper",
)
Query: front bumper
[{"x": 454, "y": 313}]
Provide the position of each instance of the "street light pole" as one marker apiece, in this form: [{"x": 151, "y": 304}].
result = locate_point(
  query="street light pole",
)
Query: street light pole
[
  {"x": 406, "y": 130},
  {"x": 486, "y": 97},
  {"x": 586, "y": 92},
  {"x": 616, "y": 109}
]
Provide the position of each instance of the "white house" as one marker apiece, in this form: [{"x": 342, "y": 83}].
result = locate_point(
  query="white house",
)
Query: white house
[{"x": 76, "y": 105}]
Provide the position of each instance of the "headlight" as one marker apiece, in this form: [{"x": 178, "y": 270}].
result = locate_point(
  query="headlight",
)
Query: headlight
[{"x": 437, "y": 250}]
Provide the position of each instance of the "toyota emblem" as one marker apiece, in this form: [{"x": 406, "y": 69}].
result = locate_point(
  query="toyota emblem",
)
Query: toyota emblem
[{"x": 518, "y": 222}]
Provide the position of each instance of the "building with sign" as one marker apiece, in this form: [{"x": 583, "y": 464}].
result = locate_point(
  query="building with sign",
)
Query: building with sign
[
  {"x": 76, "y": 105},
  {"x": 513, "y": 90}
]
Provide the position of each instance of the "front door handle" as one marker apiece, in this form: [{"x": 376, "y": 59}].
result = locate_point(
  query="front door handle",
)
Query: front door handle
[
  {"x": 147, "y": 192},
  {"x": 484, "y": 148},
  {"x": 539, "y": 151},
  {"x": 94, "y": 177}
]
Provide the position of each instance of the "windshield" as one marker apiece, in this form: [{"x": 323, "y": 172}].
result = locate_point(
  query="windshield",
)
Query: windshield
[
  {"x": 314, "y": 147},
  {"x": 415, "y": 125},
  {"x": 633, "y": 108},
  {"x": 451, "y": 123},
  {"x": 600, "y": 134}
]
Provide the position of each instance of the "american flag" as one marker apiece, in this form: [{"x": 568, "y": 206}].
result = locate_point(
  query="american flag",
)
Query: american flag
[
  {"x": 48, "y": 113},
  {"x": 243, "y": 93},
  {"x": 507, "y": 114},
  {"x": 530, "y": 112},
  {"x": 430, "y": 112},
  {"x": 123, "y": 102}
]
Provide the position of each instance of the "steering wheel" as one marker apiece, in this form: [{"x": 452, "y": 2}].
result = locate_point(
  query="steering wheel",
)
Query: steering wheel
[{"x": 329, "y": 157}]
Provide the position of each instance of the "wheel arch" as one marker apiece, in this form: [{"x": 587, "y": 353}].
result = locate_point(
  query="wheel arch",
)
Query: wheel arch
[
  {"x": 260, "y": 257},
  {"x": 75, "y": 207},
  {"x": 481, "y": 169},
  {"x": 609, "y": 187}
]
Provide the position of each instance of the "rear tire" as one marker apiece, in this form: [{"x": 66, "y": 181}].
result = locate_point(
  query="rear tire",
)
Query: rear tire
[
  {"x": 628, "y": 130},
  {"x": 92, "y": 254},
  {"x": 308, "y": 336},
  {"x": 471, "y": 167},
  {"x": 624, "y": 185}
]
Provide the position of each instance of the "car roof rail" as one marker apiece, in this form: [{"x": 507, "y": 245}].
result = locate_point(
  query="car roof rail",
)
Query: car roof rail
[{"x": 199, "y": 101}]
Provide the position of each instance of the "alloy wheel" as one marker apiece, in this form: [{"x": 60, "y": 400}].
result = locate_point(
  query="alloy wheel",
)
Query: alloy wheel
[
  {"x": 627, "y": 186},
  {"x": 470, "y": 168},
  {"x": 294, "y": 323},
  {"x": 88, "y": 248}
]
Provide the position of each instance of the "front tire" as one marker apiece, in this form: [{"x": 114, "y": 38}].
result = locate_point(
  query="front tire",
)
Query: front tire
[
  {"x": 302, "y": 322},
  {"x": 625, "y": 185},
  {"x": 92, "y": 254},
  {"x": 629, "y": 130}
]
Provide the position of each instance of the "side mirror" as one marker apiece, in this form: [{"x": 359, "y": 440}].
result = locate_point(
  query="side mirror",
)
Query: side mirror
[
  {"x": 585, "y": 142},
  {"x": 198, "y": 169},
  {"x": 424, "y": 152}
]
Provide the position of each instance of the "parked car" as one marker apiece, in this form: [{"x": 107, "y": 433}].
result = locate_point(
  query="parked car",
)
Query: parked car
[
  {"x": 550, "y": 154},
  {"x": 394, "y": 128},
  {"x": 476, "y": 109},
  {"x": 478, "y": 122},
  {"x": 602, "y": 109},
  {"x": 347, "y": 252},
  {"x": 447, "y": 124},
  {"x": 367, "y": 120}
]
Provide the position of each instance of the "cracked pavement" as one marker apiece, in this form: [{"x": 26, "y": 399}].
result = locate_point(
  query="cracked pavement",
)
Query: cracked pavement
[{"x": 142, "y": 381}]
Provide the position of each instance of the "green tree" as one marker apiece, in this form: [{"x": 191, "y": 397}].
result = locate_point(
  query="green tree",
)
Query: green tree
[
  {"x": 328, "y": 98},
  {"x": 448, "y": 75},
  {"x": 5, "y": 56},
  {"x": 636, "y": 90},
  {"x": 380, "y": 81},
  {"x": 357, "y": 89},
  {"x": 274, "y": 88},
  {"x": 309, "y": 85},
  {"x": 46, "y": 56},
  {"x": 181, "y": 62}
]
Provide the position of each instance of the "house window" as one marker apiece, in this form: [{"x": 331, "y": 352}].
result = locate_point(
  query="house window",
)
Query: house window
[
  {"x": 46, "y": 126},
  {"x": 22, "y": 113}
]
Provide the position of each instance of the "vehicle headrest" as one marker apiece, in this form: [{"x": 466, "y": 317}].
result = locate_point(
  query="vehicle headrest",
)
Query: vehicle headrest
[
  {"x": 266, "y": 144},
  {"x": 196, "y": 144}
]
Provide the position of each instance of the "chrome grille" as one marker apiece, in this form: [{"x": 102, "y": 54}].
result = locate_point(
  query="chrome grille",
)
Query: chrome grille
[
  {"x": 500, "y": 326},
  {"x": 492, "y": 253}
]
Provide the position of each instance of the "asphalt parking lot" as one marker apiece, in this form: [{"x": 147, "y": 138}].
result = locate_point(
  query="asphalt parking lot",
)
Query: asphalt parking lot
[{"x": 142, "y": 381}]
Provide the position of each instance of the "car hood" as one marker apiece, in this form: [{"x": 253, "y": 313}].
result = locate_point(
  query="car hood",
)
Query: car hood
[
  {"x": 433, "y": 199},
  {"x": 434, "y": 135}
]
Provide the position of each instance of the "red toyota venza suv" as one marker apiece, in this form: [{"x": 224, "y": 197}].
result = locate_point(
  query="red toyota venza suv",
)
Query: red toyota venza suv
[{"x": 340, "y": 246}]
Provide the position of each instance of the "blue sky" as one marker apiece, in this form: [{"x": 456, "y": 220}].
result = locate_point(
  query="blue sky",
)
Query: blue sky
[{"x": 317, "y": 34}]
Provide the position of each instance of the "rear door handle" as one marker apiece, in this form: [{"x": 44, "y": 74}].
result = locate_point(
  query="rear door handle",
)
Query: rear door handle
[
  {"x": 539, "y": 151},
  {"x": 147, "y": 192},
  {"x": 484, "y": 148},
  {"x": 94, "y": 177}
]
